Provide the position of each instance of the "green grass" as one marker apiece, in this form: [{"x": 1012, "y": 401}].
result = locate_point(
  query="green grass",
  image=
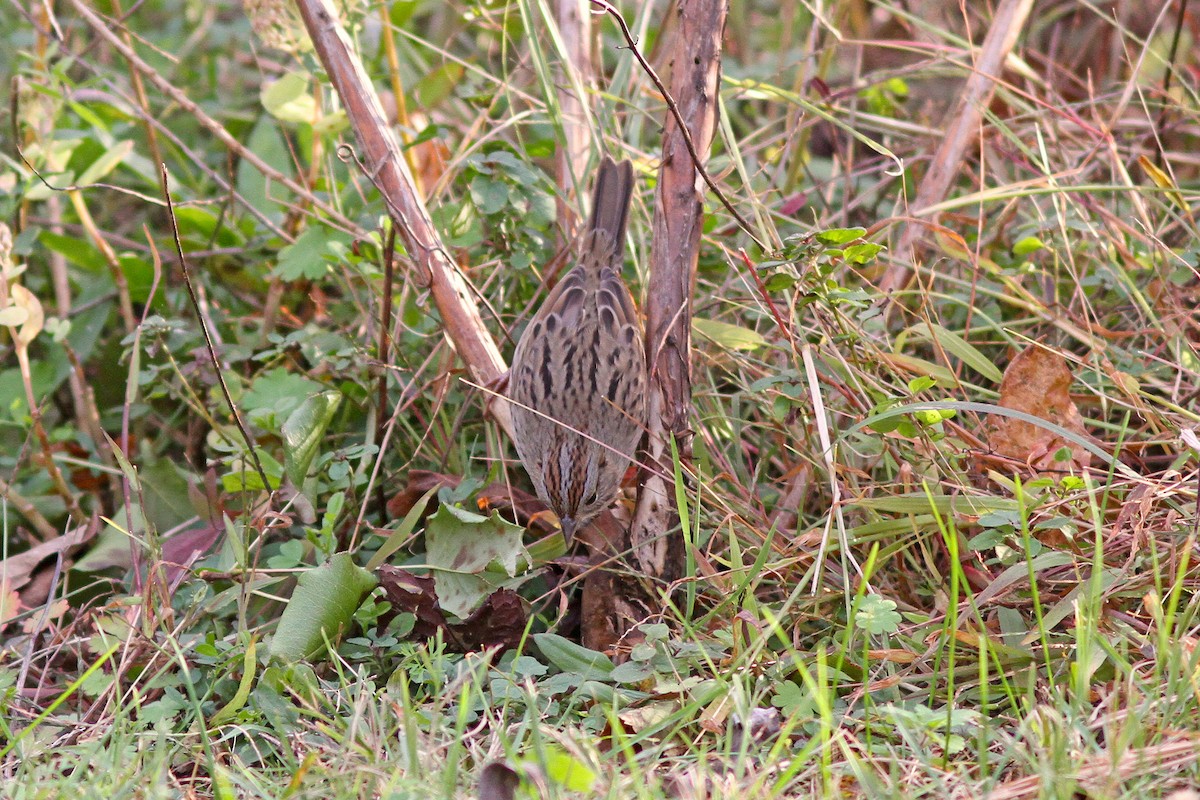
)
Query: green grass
[{"x": 926, "y": 618}]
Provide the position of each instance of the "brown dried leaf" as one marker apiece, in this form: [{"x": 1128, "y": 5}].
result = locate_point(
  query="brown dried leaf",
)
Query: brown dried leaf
[
  {"x": 499, "y": 622},
  {"x": 1038, "y": 382},
  {"x": 10, "y": 602}
]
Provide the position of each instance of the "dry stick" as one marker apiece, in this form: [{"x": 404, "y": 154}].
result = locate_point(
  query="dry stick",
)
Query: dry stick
[
  {"x": 104, "y": 30},
  {"x": 678, "y": 217},
  {"x": 389, "y": 172},
  {"x": 960, "y": 132},
  {"x": 710, "y": 95},
  {"x": 208, "y": 342}
]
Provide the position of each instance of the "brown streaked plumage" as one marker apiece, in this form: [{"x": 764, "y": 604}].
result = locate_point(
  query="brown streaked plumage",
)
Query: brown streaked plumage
[{"x": 580, "y": 368}]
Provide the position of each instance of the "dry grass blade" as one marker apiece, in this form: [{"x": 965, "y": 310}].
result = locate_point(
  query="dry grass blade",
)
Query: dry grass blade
[{"x": 961, "y": 130}]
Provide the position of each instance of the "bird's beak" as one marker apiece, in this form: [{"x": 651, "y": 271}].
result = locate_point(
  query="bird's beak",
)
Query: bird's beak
[{"x": 568, "y": 528}]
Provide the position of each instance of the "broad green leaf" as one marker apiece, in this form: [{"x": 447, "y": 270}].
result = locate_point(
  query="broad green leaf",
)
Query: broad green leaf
[
  {"x": 303, "y": 430},
  {"x": 862, "y": 253},
  {"x": 438, "y": 84},
  {"x": 839, "y": 236},
  {"x": 106, "y": 163},
  {"x": 274, "y": 395},
  {"x": 488, "y": 195},
  {"x": 77, "y": 250},
  {"x": 322, "y": 606},
  {"x": 311, "y": 255},
  {"x": 956, "y": 346},
  {"x": 574, "y": 658},
  {"x": 289, "y": 99},
  {"x": 243, "y": 476},
  {"x": 730, "y": 337},
  {"x": 267, "y": 143},
  {"x": 472, "y": 556},
  {"x": 568, "y": 771},
  {"x": 1030, "y": 244}
]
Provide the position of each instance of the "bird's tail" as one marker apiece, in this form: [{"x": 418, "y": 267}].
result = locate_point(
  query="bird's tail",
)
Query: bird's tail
[{"x": 610, "y": 203}]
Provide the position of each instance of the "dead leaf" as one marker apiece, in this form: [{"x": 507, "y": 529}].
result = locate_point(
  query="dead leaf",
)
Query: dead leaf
[
  {"x": 1038, "y": 382},
  {"x": 499, "y": 622},
  {"x": 10, "y": 602},
  {"x": 19, "y": 568}
]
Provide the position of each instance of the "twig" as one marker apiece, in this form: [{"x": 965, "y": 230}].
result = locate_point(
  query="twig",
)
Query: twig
[
  {"x": 28, "y": 510},
  {"x": 208, "y": 342},
  {"x": 674, "y": 109},
  {"x": 388, "y": 171}
]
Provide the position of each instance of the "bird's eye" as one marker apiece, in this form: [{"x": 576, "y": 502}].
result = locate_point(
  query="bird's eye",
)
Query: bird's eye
[{"x": 590, "y": 499}]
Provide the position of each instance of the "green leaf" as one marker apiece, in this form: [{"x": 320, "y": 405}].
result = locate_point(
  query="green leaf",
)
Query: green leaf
[
  {"x": 267, "y": 143},
  {"x": 877, "y": 616},
  {"x": 303, "y": 430},
  {"x": 289, "y": 99},
  {"x": 574, "y": 658},
  {"x": 403, "y": 531},
  {"x": 862, "y": 253},
  {"x": 780, "y": 281},
  {"x": 472, "y": 556},
  {"x": 321, "y": 608},
  {"x": 568, "y": 771},
  {"x": 956, "y": 346},
  {"x": 437, "y": 85},
  {"x": 401, "y": 12},
  {"x": 489, "y": 196},
  {"x": 249, "y": 670},
  {"x": 920, "y": 384},
  {"x": 1030, "y": 244},
  {"x": 840, "y": 236},
  {"x": 730, "y": 337},
  {"x": 75, "y": 249},
  {"x": 242, "y": 475},
  {"x": 106, "y": 163},
  {"x": 311, "y": 255},
  {"x": 275, "y": 394}
]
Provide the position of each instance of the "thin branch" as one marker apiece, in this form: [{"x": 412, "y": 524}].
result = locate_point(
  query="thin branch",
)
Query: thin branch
[
  {"x": 386, "y": 168},
  {"x": 208, "y": 342},
  {"x": 674, "y": 109}
]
